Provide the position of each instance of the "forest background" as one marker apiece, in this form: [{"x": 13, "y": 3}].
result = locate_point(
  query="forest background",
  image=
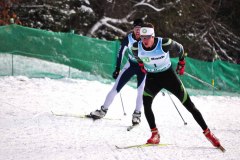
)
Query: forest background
[{"x": 208, "y": 29}]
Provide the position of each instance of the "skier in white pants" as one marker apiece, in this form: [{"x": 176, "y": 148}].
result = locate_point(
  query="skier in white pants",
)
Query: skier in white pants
[{"x": 130, "y": 69}]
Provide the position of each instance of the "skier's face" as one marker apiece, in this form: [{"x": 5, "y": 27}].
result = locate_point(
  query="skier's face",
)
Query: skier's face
[
  {"x": 136, "y": 31},
  {"x": 147, "y": 41}
]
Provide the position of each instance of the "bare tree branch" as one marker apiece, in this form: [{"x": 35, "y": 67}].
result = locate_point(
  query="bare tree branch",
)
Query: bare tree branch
[
  {"x": 221, "y": 49},
  {"x": 107, "y": 20},
  {"x": 142, "y": 3}
]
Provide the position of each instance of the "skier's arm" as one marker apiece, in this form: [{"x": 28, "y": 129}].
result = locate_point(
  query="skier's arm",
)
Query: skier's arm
[
  {"x": 120, "y": 55},
  {"x": 135, "y": 53},
  {"x": 122, "y": 49},
  {"x": 173, "y": 47}
]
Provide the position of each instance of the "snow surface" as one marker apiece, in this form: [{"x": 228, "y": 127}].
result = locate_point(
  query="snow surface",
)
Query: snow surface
[{"x": 29, "y": 130}]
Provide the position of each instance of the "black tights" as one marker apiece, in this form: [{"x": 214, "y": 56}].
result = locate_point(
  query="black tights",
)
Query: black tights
[{"x": 168, "y": 80}]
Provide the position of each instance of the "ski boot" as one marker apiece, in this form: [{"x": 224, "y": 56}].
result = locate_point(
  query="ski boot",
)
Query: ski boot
[
  {"x": 98, "y": 114},
  {"x": 155, "y": 138},
  {"x": 214, "y": 140},
  {"x": 136, "y": 117}
]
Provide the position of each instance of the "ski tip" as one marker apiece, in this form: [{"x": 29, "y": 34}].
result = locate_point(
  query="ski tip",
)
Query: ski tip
[
  {"x": 118, "y": 147},
  {"x": 88, "y": 116},
  {"x": 222, "y": 149},
  {"x": 140, "y": 146},
  {"x": 129, "y": 128},
  {"x": 91, "y": 117}
]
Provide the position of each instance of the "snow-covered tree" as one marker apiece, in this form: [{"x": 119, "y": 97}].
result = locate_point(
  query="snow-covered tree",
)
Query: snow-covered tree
[{"x": 207, "y": 29}]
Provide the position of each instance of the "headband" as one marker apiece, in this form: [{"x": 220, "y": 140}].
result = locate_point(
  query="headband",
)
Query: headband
[{"x": 147, "y": 31}]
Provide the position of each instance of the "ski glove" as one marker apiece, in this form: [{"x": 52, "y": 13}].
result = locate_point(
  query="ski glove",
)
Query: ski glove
[
  {"x": 116, "y": 73},
  {"x": 180, "y": 67},
  {"x": 141, "y": 65}
]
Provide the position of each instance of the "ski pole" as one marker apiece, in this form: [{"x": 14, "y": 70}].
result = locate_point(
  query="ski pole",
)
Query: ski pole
[
  {"x": 122, "y": 105},
  {"x": 185, "y": 123},
  {"x": 207, "y": 84}
]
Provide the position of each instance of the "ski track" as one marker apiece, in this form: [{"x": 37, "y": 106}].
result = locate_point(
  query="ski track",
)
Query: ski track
[{"x": 30, "y": 131}]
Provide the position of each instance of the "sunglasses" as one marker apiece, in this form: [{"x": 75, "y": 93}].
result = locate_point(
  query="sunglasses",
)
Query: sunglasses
[{"x": 145, "y": 37}]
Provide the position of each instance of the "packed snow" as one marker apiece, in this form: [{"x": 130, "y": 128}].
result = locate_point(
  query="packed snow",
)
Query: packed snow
[{"x": 30, "y": 131}]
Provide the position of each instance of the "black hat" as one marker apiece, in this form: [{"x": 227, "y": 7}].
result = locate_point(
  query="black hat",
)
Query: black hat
[{"x": 138, "y": 22}]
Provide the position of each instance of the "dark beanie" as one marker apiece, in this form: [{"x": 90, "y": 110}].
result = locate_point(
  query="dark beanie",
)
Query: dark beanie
[{"x": 137, "y": 22}]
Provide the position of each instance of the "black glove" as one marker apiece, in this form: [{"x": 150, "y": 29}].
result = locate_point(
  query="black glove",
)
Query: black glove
[{"x": 116, "y": 73}]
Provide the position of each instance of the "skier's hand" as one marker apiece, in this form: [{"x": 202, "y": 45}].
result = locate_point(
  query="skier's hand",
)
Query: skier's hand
[
  {"x": 116, "y": 73},
  {"x": 180, "y": 67}
]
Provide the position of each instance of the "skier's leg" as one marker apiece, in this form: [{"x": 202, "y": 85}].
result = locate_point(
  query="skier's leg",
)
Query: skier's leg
[
  {"x": 178, "y": 89},
  {"x": 125, "y": 75},
  {"x": 122, "y": 79},
  {"x": 136, "y": 116}
]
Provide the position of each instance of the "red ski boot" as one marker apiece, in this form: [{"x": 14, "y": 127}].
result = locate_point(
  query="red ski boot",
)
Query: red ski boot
[
  {"x": 215, "y": 142},
  {"x": 155, "y": 138},
  {"x": 210, "y": 136}
]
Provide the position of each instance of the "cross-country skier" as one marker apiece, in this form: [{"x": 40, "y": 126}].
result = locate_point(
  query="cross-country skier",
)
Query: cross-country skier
[
  {"x": 130, "y": 69},
  {"x": 153, "y": 53}
]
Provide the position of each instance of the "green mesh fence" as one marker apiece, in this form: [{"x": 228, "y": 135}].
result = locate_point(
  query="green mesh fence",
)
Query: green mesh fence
[
  {"x": 39, "y": 53},
  {"x": 215, "y": 77},
  {"x": 84, "y": 53}
]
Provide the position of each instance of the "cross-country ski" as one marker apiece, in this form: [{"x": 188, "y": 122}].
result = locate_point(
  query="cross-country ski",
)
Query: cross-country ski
[
  {"x": 140, "y": 146},
  {"x": 129, "y": 128},
  {"x": 80, "y": 116}
]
